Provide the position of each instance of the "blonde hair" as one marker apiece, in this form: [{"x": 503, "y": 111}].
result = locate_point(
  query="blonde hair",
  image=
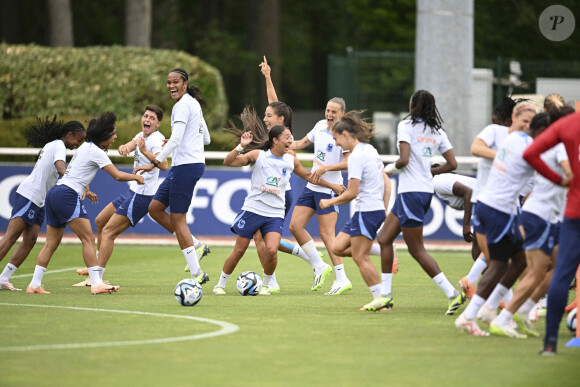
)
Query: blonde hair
[
  {"x": 523, "y": 106},
  {"x": 553, "y": 101}
]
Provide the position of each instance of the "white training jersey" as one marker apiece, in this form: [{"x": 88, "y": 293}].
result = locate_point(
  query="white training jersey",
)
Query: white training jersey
[
  {"x": 270, "y": 178},
  {"x": 154, "y": 144},
  {"x": 508, "y": 175},
  {"x": 190, "y": 149},
  {"x": 364, "y": 163},
  {"x": 83, "y": 167},
  {"x": 443, "y": 186},
  {"x": 493, "y": 135},
  {"x": 44, "y": 174},
  {"x": 424, "y": 141},
  {"x": 326, "y": 152},
  {"x": 547, "y": 199}
]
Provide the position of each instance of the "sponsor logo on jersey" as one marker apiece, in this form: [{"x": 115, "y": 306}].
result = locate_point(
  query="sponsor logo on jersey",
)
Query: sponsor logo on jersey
[
  {"x": 320, "y": 155},
  {"x": 273, "y": 181},
  {"x": 427, "y": 151}
]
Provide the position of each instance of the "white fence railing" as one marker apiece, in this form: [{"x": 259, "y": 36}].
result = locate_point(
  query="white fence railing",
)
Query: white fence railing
[{"x": 464, "y": 162}]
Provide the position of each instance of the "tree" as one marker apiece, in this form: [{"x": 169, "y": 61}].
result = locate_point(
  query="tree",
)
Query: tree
[
  {"x": 138, "y": 23},
  {"x": 61, "y": 23}
]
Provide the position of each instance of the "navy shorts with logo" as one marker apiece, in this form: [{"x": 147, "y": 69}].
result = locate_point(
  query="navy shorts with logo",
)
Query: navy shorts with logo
[
  {"x": 28, "y": 211},
  {"x": 247, "y": 223},
  {"x": 504, "y": 238},
  {"x": 176, "y": 191},
  {"x": 63, "y": 205},
  {"x": 411, "y": 207},
  {"x": 539, "y": 233},
  {"x": 365, "y": 223},
  {"x": 311, "y": 199},
  {"x": 133, "y": 206}
]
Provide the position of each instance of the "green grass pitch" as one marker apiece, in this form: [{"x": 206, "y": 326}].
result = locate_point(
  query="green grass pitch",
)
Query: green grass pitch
[{"x": 296, "y": 337}]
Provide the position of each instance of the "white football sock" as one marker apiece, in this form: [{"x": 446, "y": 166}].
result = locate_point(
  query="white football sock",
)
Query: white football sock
[
  {"x": 266, "y": 281},
  {"x": 340, "y": 273},
  {"x": 526, "y": 307},
  {"x": 473, "y": 307},
  {"x": 496, "y": 296},
  {"x": 7, "y": 272},
  {"x": 445, "y": 285},
  {"x": 508, "y": 296},
  {"x": 476, "y": 269},
  {"x": 223, "y": 280},
  {"x": 297, "y": 251},
  {"x": 503, "y": 318},
  {"x": 273, "y": 280},
  {"x": 310, "y": 249},
  {"x": 37, "y": 277},
  {"x": 386, "y": 281},
  {"x": 191, "y": 258},
  {"x": 375, "y": 290},
  {"x": 375, "y": 250},
  {"x": 95, "y": 274}
]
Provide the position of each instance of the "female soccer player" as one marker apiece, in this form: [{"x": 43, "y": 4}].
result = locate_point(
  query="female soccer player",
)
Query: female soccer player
[
  {"x": 64, "y": 206},
  {"x": 370, "y": 186},
  {"x": 264, "y": 208},
  {"x": 418, "y": 137},
  {"x": 128, "y": 209},
  {"x": 28, "y": 211},
  {"x": 540, "y": 219},
  {"x": 495, "y": 222},
  {"x": 189, "y": 134},
  {"x": 567, "y": 131}
]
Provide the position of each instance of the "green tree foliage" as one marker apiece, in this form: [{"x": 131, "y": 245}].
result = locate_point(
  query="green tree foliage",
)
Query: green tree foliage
[{"x": 39, "y": 81}]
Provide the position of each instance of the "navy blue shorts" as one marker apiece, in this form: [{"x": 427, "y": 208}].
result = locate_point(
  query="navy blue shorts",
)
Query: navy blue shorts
[
  {"x": 247, "y": 223},
  {"x": 311, "y": 199},
  {"x": 28, "y": 211},
  {"x": 176, "y": 191},
  {"x": 504, "y": 238},
  {"x": 289, "y": 199},
  {"x": 411, "y": 207},
  {"x": 132, "y": 205},
  {"x": 63, "y": 205},
  {"x": 365, "y": 223},
  {"x": 539, "y": 233}
]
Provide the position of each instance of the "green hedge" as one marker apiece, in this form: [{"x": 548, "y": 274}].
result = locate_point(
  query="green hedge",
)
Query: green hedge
[{"x": 85, "y": 82}]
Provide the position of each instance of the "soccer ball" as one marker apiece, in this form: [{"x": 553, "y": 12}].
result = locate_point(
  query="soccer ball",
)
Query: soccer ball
[
  {"x": 571, "y": 320},
  {"x": 249, "y": 283},
  {"x": 188, "y": 292}
]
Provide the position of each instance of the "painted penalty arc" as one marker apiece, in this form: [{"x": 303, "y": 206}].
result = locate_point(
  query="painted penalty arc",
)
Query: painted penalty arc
[{"x": 225, "y": 329}]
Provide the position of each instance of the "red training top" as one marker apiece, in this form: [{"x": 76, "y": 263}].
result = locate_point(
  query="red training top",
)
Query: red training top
[{"x": 567, "y": 131}]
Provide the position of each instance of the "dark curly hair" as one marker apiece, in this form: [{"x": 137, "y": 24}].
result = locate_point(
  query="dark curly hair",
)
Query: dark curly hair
[
  {"x": 46, "y": 131},
  {"x": 102, "y": 128},
  {"x": 423, "y": 109}
]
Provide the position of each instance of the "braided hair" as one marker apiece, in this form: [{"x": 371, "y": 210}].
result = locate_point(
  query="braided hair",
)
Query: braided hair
[
  {"x": 46, "y": 131},
  {"x": 102, "y": 128},
  {"x": 423, "y": 109},
  {"x": 251, "y": 122},
  {"x": 194, "y": 91}
]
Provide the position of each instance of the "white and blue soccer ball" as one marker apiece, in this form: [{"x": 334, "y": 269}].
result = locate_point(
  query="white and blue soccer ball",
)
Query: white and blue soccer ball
[
  {"x": 249, "y": 283},
  {"x": 188, "y": 292},
  {"x": 571, "y": 320}
]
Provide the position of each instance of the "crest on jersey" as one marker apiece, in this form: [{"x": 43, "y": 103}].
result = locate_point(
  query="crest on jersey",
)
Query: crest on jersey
[
  {"x": 284, "y": 171},
  {"x": 329, "y": 147}
]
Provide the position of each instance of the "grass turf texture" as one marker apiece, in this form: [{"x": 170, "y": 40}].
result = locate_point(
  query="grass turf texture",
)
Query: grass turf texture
[{"x": 296, "y": 337}]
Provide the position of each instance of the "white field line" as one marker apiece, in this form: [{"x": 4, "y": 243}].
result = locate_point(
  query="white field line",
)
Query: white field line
[
  {"x": 226, "y": 328},
  {"x": 47, "y": 272}
]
